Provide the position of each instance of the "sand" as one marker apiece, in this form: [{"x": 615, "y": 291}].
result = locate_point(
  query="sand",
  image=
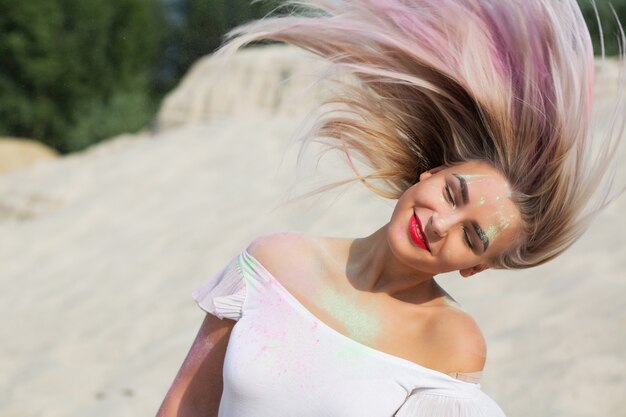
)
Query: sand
[{"x": 100, "y": 251}]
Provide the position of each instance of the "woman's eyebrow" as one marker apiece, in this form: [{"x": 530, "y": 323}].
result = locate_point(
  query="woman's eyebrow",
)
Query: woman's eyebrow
[
  {"x": 463, "y": 185},
  {"x": 482, "y": 235}
]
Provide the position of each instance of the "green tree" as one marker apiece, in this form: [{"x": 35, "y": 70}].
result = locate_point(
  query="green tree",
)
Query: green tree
[
  {"x": 30, "y": 69},
  {"x": 69, "y": 62},
  {"x": 203, "y": 26}
]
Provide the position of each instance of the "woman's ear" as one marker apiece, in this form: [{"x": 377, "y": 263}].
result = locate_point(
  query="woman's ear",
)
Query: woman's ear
[
  {"x": 431, "y": 172},
  {"x": 468, "y": 272}
]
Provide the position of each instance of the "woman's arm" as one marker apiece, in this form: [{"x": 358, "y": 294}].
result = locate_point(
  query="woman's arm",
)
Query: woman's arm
[{"x": 197, "y": 388}]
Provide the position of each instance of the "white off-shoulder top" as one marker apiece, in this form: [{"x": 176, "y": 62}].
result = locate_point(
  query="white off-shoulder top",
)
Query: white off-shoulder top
[{"x": 282, "y": 361}]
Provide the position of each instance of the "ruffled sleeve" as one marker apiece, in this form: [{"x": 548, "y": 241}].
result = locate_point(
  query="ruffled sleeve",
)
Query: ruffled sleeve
[
  {"x": 425, "y": 404},
  {"x": 223, "y": 295}
]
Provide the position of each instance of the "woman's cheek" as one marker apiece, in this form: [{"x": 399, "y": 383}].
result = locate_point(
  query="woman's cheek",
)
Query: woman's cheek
[
  {"x": 448, "y": 259},
  {"x": 453, "y": 259}
]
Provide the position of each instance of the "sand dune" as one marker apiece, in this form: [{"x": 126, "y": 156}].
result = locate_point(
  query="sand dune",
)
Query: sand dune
[{"x": 99, "y": 253}]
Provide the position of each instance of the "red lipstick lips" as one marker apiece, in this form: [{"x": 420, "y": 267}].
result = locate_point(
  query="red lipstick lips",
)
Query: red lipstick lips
[{"x": 417, "y": 233}]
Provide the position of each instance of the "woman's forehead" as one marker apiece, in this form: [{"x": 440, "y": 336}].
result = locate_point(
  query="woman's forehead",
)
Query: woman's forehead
[{"x": 479, "y": 176}]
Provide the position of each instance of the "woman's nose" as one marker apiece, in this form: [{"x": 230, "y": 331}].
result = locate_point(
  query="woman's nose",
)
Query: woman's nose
[{"x": 441, "y": 223}]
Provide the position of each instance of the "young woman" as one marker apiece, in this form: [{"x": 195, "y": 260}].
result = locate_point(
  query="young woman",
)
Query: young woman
[{"x": 475, "y": 116}]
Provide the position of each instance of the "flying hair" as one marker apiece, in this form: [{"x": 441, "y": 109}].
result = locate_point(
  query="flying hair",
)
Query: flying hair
[{"x": 440, "y": 82}]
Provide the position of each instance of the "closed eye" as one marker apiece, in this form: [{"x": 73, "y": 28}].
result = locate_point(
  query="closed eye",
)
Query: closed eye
[
  {"x": 468, "y": 241},
  {"x": 449, "y": 197}
]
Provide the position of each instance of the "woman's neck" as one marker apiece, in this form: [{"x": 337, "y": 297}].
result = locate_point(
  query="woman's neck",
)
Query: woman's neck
[{"x": 371, "y": 266}]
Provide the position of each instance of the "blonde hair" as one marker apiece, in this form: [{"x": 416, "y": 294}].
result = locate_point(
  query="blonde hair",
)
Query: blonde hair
[{"x": 447, "y": 81}]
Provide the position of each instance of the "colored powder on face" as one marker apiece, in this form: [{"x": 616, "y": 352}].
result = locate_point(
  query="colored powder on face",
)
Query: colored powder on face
[
  {"x": 493, "y": 231},
  {"x": 362, "y": 326},
  {"x": 472, "y": 176},
  {"x": 503, "y": 222},
  {"x": 481, "y": 201},
  {"x": 507, "y": 189}
]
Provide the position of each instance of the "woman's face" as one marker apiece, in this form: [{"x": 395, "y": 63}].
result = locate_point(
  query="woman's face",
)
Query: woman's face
[{"x": 454, "y": 218}]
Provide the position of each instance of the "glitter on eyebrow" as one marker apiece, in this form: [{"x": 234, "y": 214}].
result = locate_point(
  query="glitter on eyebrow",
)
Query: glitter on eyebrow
[
  {"x": 491, "y": 232},
  {"x": 482, "y": 235}
]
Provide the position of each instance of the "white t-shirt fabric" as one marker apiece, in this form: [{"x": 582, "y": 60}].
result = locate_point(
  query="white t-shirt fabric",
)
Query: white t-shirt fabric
[{"x": 282, "y": 361}]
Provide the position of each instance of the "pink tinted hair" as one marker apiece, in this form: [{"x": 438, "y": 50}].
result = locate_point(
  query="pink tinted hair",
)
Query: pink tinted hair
[{"x": 509, "y": 82}]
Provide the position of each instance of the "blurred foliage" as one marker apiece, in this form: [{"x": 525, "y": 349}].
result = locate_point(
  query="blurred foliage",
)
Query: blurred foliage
[
  {"x": 64, "y": 62},
  {"x": 202, "y": 27},
  {"x": 610, "y": 27},
  {"x": 126, "y": 110},
  {"x": 75, "y": 72}
]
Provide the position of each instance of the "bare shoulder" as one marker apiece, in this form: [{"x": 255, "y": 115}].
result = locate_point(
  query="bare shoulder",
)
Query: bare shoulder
[
  {"x": 293, "y": 259},
  {"x": 455, "y": 342},
  {"x": 282, "y": 250}
]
